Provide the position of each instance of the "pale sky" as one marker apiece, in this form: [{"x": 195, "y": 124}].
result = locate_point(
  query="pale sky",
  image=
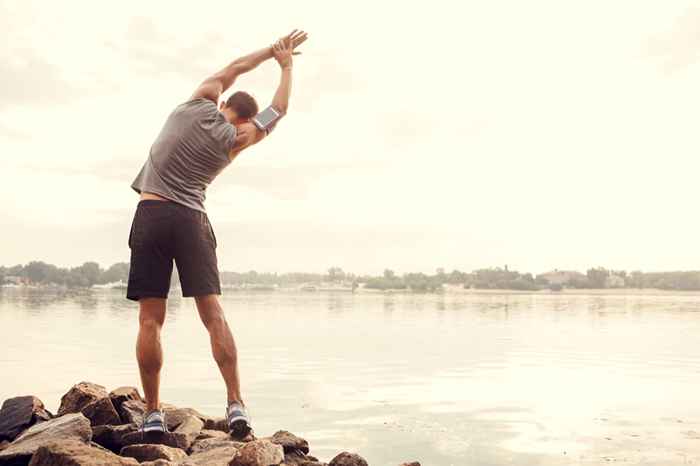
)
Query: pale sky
[{"x": 449, "y": 134}]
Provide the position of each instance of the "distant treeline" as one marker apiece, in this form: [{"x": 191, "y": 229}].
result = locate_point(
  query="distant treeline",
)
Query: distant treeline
[{"x": 90, "y": 273}]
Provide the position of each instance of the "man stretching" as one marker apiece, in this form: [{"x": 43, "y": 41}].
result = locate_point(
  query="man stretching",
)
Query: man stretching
[{"x": 199, "y": 139}]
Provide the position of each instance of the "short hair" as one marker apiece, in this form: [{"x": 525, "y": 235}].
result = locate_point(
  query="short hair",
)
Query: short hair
[{"x": 243, "y": 104}]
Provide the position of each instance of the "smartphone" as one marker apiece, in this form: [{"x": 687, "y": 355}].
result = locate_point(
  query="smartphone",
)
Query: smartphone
[{"x": 266, "y": 119}]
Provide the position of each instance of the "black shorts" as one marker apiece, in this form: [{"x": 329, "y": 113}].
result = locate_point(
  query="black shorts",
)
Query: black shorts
[{"x": 163, "y": 231}]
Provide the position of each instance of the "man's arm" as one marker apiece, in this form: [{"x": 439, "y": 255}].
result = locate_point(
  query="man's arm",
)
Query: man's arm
[{"x": 218, "y": 83}]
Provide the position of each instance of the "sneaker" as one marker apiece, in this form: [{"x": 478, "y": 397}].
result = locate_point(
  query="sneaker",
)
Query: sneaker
[
  {"x": 154, "y": 421},
  {"x": 238, "y": 420}
]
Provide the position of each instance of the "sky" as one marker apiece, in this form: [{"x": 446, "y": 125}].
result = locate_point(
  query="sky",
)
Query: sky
[{"x": 541, "y": 134}]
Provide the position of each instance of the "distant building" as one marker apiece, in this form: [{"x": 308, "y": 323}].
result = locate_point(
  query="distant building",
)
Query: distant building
[
  {"x": 14, "y": 279},
  {"x": 561, "y": 277}
]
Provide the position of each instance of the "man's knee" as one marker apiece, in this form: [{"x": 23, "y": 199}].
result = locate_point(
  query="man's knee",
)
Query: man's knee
[
  {"x": 210, "y": 311},
  {"x": 152, "y": 313}
]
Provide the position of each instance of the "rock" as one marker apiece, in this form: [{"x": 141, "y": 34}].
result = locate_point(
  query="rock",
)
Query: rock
[
  {"x": 148, "y": 452},
  {"x": 219, "y": 455},
  {"x": 290, "y": 442},
  {"x": 132, "y": 411},
  {"x": 295, "y": 458},
  {"x": 348, "y": 459},
  {"x": 216, "y": 423},
  {"x": 112, "y": 437},
  {"x": 20, "y": 413},
  {"x": 122, "y": 394},
  {"x": 76, "y": 453},
  {"x": 201, "y": 445},
  {"x": 101, "y": 412},
  {"x": 4, "y": 444},
  {"x": 69, "y": 427},
  {"x": 182, "y": 437},
  {"x": 258, "y": 453},
  {"x": 415, "y": 463},
  {"x": 79, "y": 396},
  {"x": 208, "y": 434},
  {"x": 159, "y": 463}
]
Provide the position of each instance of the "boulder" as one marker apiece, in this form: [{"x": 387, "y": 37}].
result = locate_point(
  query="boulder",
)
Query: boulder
[
  {"x": 290, "y": 442},
  {"x": 258, "y": 453},
  {"x": 77, "y": 453},
  {"x": 414, "y": 463},
  {"x": 210, "y": 443},
  {"x": 207, "y": 434},
  {"x": 160, "y": 463},
  {"x": 348, "y": 459},
  {"x": 150, "y": 452},
  {"x": 132, "y": 411},
  {"x": 216, "y": 423},
  {"x": 182, "y": 437},
  {"x": 297, "y": 458},
  {"x": 101, "y": 412},
  {"x": 69, "y": 427},
  {"x": 218, "y": 455},
  {"x": 112, "y": 437},
  {"x": 79, "y": 396},
  {"x": 122, "y": 394},
  {"x": 18, "y": 414}
]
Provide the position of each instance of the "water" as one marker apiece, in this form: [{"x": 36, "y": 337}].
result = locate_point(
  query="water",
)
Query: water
[{"x": 464, "y": 379}]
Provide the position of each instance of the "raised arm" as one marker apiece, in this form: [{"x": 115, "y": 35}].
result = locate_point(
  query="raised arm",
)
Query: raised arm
[
  {"x": 283, "y": 54},
  {"x": 219, "y": 82}
]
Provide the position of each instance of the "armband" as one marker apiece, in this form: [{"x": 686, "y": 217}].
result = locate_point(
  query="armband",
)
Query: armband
[{"x": 266, "y": 120}]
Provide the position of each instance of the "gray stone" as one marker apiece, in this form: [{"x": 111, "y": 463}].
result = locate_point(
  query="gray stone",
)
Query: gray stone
[
  {"x": 101, "y": 412},
  {"x": 20, "y": 413},
  {"x": 76, "y": 453},
  {"x": 79, "y": 396},
  {"x": 69, "y": 427},
  {"x": 290, "y": 442},
  {"x": 150, "y": 452},
  {"x": 112, "y": 437},
  {"x": 258, "y": 453},
  {"x": 348, "y": 459}
]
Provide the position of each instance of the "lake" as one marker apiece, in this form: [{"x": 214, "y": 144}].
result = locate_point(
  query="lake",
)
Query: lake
[{"x": 454, "y": 379}]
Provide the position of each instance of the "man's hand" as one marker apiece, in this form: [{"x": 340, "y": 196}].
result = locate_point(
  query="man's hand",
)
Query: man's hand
[
  {"x": 294, "y": 39},
  {"x": 282, "y": 53}
]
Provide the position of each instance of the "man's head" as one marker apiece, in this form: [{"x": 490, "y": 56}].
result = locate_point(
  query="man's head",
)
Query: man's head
[{"x": 240, "y": 107}]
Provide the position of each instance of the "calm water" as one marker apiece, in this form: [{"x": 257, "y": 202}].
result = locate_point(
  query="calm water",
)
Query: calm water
[{"x": 473, "y": 379}]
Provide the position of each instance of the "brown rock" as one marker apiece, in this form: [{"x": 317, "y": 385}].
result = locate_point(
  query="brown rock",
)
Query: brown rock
[
  {"x": 101, "y": 412},
  {"x": 182, "y": 437},
  {"x": 76, "y": 453},
  {"x": 348, "y": 459},
  {"x": 69, "y": 427},
  {"x": 132, "y": 411},
  {"x": 79, "y": 396},
  {"x": 201, "y": 445},
  {"x": 215, "y": 456},
  {"x": 159, "y": 463},
  {"x": 190, "y": 428},
  {"x": 4, "y": 444},
  {"x": 150, "y": 452},
  {"x": 207, "y": 434},
  {"x": 258, "y": 453},
  {"x": 216, "y": 423},
  {"x": 415, "y": 463},
  {"x": 112, "y": 437},
  {"x": 18, "y": 414},
  {"x": 122, "y": 394},
  {"x": 290, "y": 442}
]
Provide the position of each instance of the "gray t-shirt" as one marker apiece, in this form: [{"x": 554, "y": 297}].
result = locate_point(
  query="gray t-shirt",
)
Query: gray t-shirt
[{"x": 191, "y": 149}]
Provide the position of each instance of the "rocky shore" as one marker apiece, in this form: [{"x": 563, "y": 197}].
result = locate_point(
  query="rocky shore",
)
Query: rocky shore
[{"x": 96, "y": 427}]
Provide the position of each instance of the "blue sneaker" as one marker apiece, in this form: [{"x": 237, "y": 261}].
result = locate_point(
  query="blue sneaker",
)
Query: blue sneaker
[
  {"x": 154, "y": 421},
  {"x": 238, "y": 420}
]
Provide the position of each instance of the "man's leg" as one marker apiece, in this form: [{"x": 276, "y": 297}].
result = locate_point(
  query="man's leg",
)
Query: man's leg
[
  {"x": 149, "y": 352},
  {"x": 223, "y": 346}
]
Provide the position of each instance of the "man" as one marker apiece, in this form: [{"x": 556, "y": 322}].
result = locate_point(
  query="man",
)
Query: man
[{"x": 197, "y": 141}]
